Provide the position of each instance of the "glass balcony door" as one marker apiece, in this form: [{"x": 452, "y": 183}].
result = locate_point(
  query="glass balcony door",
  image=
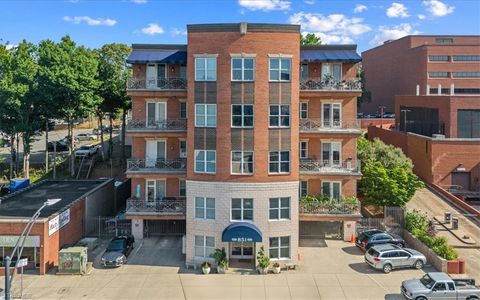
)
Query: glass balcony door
[
  {"x": 332, "y": 115},
  {"x": 151, "y": 76},
  {"x": 155, "y": 190},
  {"x": 241, "y": 250},
  {"x": 331, "y": 153},
  {"x": 156, "y": 114},
  {"x": 155, "y": 150}
]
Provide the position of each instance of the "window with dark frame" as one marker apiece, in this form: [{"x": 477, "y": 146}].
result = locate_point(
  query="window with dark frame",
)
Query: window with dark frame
[
  {"x": 279, "y": 162},
  {"x": 279, "y": 115},
  {"x": 242, "y": 162},
  {"x": 242, "y": 115}
]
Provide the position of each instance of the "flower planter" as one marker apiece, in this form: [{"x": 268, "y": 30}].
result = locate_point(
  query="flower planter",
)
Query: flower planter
[
  {"x": 263, "y": 271},
  {"x": 276, "y": 270},
  {"x": 221, "y": 270},
  {"x": 453, "y": 267},
  {"x": 206, "y": 270}
]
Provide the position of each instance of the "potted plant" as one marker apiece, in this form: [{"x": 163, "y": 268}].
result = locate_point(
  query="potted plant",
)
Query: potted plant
[
  {"x": 263, "y": 261},
  {"x": 206, "y": 267},
  {"x": 221, "y": 260},
  {"x": 276, "y": 268},
  {"x": 222, "y": 266}
]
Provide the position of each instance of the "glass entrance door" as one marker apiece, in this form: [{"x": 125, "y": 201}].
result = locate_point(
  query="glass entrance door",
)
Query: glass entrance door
[{"x": 241, "y": 250}]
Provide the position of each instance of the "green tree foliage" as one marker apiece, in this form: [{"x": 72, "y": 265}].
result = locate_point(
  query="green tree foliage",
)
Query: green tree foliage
[
  {"x": 388, "y": 178},
  {"x": 310, "y": 39},
  {"x": 366, "y": 96}
]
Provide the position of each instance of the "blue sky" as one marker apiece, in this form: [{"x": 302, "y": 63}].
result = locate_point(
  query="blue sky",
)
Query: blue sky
[{"x": 366, "y": 23}]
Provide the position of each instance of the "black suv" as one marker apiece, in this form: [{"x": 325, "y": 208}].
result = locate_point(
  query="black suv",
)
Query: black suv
[
  {"x": 372, "y": 237},
  {"x": 117, "y": 251}
]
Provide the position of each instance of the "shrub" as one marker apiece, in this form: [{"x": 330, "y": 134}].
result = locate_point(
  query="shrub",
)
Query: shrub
[
  {"x": 416, "y": 220},
  {"x": 262, "y": 258},
  {"x": 446, "y": 251}
]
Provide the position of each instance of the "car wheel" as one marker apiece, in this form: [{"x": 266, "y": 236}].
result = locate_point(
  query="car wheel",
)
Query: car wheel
[
  {"x": 418, "y": 264},
  {"x": 421, "y": 298},
  {"x": 387, "y": 268}
]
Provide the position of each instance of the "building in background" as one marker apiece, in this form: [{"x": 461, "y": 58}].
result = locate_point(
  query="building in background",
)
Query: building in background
[{"x": 232, "y": 129}]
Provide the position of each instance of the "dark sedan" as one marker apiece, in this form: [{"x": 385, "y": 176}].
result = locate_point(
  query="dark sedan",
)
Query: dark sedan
[
  {"x": 369, "y": 238},
  {"x": 117, "y": 251}
]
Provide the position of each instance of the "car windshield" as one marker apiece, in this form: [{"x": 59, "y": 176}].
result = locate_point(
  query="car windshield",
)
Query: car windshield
[
  {"x": 427, "y": 281},
  {"x": 84, "y": 147},
  {"x": 373, "y": 253},
  {"x": 115, "y": 245}
]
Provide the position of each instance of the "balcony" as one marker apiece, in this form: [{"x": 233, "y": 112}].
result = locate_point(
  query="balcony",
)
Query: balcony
[
  {"x": 317, "y": 125},
  {"x": 319, "y": 167},
  {"x": 168, "y": 125},
  {"x": 157, "y": 166},
  {"x": 352, "y": 85},
  {"x": 167, "y": 84},
  {"x": 167, "y": 206},
  {"x": 330, "y": 207}
]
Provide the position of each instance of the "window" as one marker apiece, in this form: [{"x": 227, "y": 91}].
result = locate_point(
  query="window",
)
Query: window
[
  {"x": 280, "y": 69},
  {"x": 242, "y": 115},
  {"x": 444, "y": 40},
  {"x": 205, "y": 161},
  {"x": 154, "y": 190},
  {"x": 467, "y": 90},
  {"x": 182, "y": 188},
  {"x": 303, "y": 188},
  {"x": 242, "y": 69},
  {"x": 466, "y": 58},
  {"x": 205, "y": 68},
  {"x": 331, "y": 153},
  {"x": 279, "y": 115},
  {"x": 303, "y": 149},
  {"x": 279, "y": 247},
  {"x": 438, "y": 74},
  {"x": 438, "y": 58},
  {"x": 205, "y": 115},
  {"x": 451, "y": 286},
  {"x": 441, "y": 286},
  {"x": 303, "y": 110},
  {"x": 156, "y": 113},
  {"x": 183, "y": 110},
  {"x": 279, "y": 208},
  {"x": 279, "y": 162},
  {"x": 332, "y": 189},
  {"x": 466, "y": 74},
  {"x": 242, "y": 209},
  {"x": 242, "y": 162},
  {"x": 183, "y": 72},
  {"x": 204, "y": 245},
  {"x": 205, "y": 208},
  {"x": 332, "y": 114},
  {"x": 330, "y": 70},
  {"x": 468, "y": 123},
  {"x": 304, "y": 72},
  {"x": 183, "y": 148},
  {"x": 162, "y": 71}
]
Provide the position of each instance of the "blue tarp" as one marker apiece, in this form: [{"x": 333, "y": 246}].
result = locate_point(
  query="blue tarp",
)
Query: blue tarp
[
  {"x": 242, "y": 232},
  {"x": 144, "y": 56},
  {"x": 330, "y": 56}
]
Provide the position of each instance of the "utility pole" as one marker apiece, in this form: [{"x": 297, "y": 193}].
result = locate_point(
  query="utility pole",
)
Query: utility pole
[
  {"x": 405, "y": 111},
  {"x": 381, "y": 115}
]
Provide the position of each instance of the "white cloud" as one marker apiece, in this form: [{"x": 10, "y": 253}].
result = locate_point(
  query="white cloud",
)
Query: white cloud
[
  {"x": 152, "y": 29},
  {"x": 386, "y": 33},
  {"x": 397, "y": 10},
  {"x": 309, "y": 2},
  {"x": 421, "y": 17},
  {"x": 437, "y": 8},
  {"x": 335, "y": 28},
  {"x": 359, "y": 8},
  {"x": 10, "y": 46},
  {"x": 90, "y": 21},
  {"x": 265, "y": 5},
  {"x": 139, "y": 1},
  {"x": 176, "y": 31}
]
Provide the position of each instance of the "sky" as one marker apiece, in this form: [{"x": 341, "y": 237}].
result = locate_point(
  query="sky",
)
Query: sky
[{"x": 367, "y": 23}]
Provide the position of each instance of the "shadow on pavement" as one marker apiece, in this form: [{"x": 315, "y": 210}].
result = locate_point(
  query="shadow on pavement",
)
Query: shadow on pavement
[
  {"x": 362, "y": 268},
  {"x": 312, "y": 242},
  {"x": 353, "y": 250},
  {"x": 393, "y": 297}
]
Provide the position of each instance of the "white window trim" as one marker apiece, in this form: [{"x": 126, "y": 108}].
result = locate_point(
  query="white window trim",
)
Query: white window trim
[
  {"x": 331, "y": 70},
  {"x": 331, "y": 187},
  {"x": 279, "y": 163},
  {"x": 206, "y": 56},
  {"x": 204, "y": 246},
  {"x": 157, "y": 140},
  {"x": 205, "y": 117},
  {"x": 331, "y": 113},
  {"x": 280, "y": 116},
  {"x": 154, "y": 188},
  {"x": 306, "y": 181},
  {"x": 205, "y": 160},
  {"x": 156, "y": 102},
  {"x": 279, "y": 209},
  {"x": 179, "y": 148},
  {"x": 279, "y": 68},
  {"x": 179, "y": 187},
  {"x": 231, "y": 162},
  {"x": 301, "y": 65},
  {"x": 330, "y": 160},
  {"x": 243, "y": 69},
  {"x": 300, "y": 149},
  {"x": 243, "y": 115},
  {"x": 279, "y": 247},
  {"x": 300, "y": 109},
  {"x": 241, "y": 210},
  {"x": 166, "y": 70},
  {"x": 204, "y": 208}
]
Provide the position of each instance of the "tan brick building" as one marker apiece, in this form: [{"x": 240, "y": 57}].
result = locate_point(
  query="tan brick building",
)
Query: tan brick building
[{"x": 232, "y": 129}]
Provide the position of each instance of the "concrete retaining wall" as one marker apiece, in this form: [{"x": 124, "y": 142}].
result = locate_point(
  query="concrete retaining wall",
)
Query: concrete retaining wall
[{"x": 439, "y": 263}]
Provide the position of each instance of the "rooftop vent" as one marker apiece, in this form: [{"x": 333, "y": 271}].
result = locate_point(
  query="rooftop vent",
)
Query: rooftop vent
[{"x": 243, "y": 28}]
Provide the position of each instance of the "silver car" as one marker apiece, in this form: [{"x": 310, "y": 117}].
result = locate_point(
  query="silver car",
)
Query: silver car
[{"x": 388, "y": 257}]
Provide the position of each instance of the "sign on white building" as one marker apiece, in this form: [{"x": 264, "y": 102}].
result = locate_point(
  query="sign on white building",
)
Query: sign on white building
[{"x": 59, "y": 221}]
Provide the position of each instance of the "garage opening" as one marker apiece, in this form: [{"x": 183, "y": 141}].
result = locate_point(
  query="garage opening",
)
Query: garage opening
[
  {"x": 164, "y": 227},
  {"x": 314, "y": 233}
]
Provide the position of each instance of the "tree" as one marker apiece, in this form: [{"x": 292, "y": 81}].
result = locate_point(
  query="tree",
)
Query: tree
[
  {"x": 113, "y": 73},
  {"x": 366, "y": 95},
  {"x": 388, "y": 178},
  {"x": 310, "y": 39}
]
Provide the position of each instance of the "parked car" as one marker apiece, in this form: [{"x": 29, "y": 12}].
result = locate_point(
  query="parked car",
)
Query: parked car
[
  {"x": 85, "y": 137},
  {"x": 438, "y": 285},
  {"x": 387, "y": 257},
  {"x": 86, "y": 150},
  {"x": 60, "y": 145},
  {"x": 369, "y": 238},
  {"x": 117, "y": 251}
]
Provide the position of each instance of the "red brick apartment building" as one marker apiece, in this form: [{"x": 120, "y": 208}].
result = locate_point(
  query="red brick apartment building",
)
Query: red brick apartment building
[{"x": 230, "y": 130}]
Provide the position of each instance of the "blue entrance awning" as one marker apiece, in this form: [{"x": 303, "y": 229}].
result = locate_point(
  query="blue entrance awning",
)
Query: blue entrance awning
[
  {"x": 242, "y": 232},
  {"x": 145, "y": 56},
  {"x": 330, "y": 56}
]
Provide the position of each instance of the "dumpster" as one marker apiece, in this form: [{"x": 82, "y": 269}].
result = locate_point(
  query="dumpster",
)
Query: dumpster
[
  {"x": 18, "y": 184},
  {"x": 72, "y": 260}
]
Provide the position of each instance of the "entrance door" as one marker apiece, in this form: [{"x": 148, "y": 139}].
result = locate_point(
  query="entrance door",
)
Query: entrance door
[
  {"x": 151, "y": 76},
  {"x": 332, "y": 115},
  {"x": 156, "y": 190},
  {"x": 156, "y": 114},
  {"x": 156, "y": 150},
  {"x": 241, "y": 250},
  {"x": 461, "y": 179},
  {"x": 331, "y": 153}
]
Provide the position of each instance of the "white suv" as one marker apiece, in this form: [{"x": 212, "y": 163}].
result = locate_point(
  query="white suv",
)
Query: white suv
[{"x": 86, "y": 150}]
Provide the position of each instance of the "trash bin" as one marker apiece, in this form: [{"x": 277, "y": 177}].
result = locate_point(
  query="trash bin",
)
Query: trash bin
[
  {"x": 447, "y": 217},
  {"x": 454, "y": 223}
]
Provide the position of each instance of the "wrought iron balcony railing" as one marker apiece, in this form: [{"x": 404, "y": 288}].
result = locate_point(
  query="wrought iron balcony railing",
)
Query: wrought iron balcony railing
[
  {"x": 157, "y": 166},
  {"x": 317, "y": 125},
  {"x": 162, "y": 125},
  {"x": 156, "y": 84},
  {"x": 333, "y": 207},
  {"x": 348, "y": 167},
  {"x": 331, "y": 85},
  {"x": 165, "y": 206}
]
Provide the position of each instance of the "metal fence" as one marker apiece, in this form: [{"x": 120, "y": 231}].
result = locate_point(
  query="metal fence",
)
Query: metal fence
[
  {"x": 104, "y": 227},
  {"x": 392, "y": 221}
]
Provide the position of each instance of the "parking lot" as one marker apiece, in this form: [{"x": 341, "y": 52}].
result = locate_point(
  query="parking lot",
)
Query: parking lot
[{"x": 155, "y": 271}]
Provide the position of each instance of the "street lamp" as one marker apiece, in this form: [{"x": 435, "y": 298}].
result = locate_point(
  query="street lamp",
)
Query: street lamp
[
  {"x": 405, "y": 111},
  {"x": 19, "y": 248},
  {"x": 381, "y": 115}
]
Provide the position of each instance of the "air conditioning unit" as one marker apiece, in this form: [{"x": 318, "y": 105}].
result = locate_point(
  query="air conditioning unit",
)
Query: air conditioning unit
[{"x": 183, "y": 154}]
